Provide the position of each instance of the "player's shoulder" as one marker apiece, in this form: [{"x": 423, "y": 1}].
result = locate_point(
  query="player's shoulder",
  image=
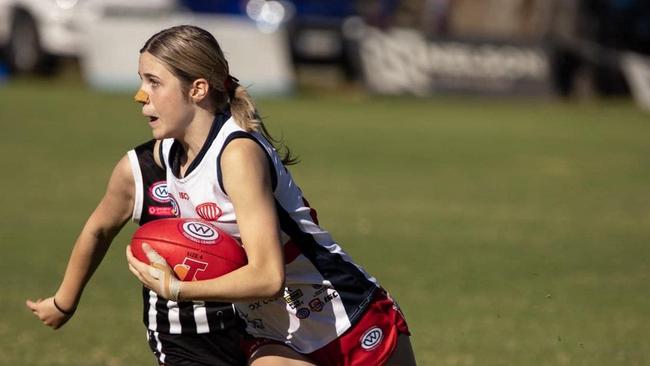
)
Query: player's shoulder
[
  {"x": 240, "y": 150},
  {"x": 149, "y": 151},
  {"x": 122, "y": 172}
]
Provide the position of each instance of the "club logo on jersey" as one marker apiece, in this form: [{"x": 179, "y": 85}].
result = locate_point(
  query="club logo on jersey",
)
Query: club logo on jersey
[
  {"x": 302, "y": 313},
  {"x": 176, "y": 209},
  {"x": 158, "y": 192},
  {"x": 208, "y": 211},
  {"x": 200, "y": 232},
  {"x": 371, "y": 338},
  {"x": 187, "y": 270}
]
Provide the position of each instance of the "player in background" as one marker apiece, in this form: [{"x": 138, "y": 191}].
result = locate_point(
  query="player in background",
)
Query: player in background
[
  {"x": 137, "y": 190},
  {"x": 304, "y": 300}
]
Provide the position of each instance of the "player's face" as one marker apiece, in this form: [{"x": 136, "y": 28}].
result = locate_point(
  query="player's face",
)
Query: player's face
[{"x": 168, "y": 110}]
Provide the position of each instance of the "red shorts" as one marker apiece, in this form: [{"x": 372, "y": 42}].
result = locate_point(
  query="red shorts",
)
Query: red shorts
[{"x": 369, "y": 342}]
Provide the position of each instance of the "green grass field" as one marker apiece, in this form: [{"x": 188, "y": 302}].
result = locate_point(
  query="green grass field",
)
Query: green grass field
[{"x": 511, "y": 232}]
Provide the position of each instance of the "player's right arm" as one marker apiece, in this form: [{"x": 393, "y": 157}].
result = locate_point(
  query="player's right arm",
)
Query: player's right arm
[{"x": 106, "y": 221}]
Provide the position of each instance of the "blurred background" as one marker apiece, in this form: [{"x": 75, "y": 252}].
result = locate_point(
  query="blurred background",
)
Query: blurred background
[
  {"x": 487, "y": 160},
  {"x": 422, "y": 47}
]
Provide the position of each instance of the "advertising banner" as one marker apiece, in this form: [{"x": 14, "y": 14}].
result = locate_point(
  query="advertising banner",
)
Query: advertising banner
[{"x": 403, "y": 61}]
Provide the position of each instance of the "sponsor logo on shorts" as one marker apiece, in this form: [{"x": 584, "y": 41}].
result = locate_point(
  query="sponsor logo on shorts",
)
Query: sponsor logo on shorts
[
  {"x": 371, "y": 338},
  {"x": 319, "y": 289},
  {"x": 199, "y": 232},
  {"x": 258, "y": 304},
  {"x": 158, "y": 192},
  {"x": 316, "y": 305},
  {"x": 208, "y": 211},
  {"x": 302, "y": 313},
  {"x": 293, "y": 297},
  {"x": 331, "y": 296}
]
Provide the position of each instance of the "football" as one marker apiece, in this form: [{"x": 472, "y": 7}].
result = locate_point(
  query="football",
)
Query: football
[{"x": 193, "y": 248}]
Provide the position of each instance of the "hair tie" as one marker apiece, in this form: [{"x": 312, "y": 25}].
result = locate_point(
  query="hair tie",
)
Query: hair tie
[
  {"x": 65, "y": 312},
  {"x": 230, "y": 84}
]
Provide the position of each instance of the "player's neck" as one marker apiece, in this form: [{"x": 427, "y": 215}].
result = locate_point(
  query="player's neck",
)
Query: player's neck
[{"x": 195, "y": 137}]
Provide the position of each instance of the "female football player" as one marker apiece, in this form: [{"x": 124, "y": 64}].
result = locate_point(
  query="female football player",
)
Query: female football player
[
  {"x": 182, "y": 333},
  {"x": 304, "y": 300}
]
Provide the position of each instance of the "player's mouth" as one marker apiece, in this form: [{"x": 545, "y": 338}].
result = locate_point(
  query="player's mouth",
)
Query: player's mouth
[{"x": 152, "y": 119}]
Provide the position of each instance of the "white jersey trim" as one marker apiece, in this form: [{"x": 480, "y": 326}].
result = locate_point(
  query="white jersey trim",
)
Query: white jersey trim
[
  {"x": 174, "y": 315},
  {"x": 153, "y": 298},
  {"x": 159, "y": 347},
  {"x": 201, "y": 317},
  {"x": 137, "y": 178}
]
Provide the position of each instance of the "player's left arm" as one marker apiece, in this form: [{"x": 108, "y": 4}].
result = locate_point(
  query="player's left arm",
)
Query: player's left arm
[{"x": 110, "y": 215}]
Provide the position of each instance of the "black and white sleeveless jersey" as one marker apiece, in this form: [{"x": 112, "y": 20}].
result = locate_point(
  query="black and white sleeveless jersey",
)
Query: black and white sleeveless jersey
[
  {"x": 325, "y": 293},
  {"x": 151, "y": 200},
  {"x": 151, "y": 203}
]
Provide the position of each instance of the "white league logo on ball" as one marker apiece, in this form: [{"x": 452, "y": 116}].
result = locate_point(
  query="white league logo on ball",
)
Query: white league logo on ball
[{"x": 200, "y": 232}]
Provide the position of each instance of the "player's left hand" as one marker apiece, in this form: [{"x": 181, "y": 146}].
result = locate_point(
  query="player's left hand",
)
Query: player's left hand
[
  {"x": 48, "y": 313},
  {"x": 158, "y": 276}
]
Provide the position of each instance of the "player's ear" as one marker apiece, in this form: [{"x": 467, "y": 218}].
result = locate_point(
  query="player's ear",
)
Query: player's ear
[{"x": 199, "y": 90}]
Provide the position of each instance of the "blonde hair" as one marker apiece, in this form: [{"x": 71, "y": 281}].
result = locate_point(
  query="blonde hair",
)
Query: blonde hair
[{"x": 192, "y": 53}]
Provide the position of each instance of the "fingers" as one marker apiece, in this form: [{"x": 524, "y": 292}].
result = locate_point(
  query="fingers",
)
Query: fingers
[
  {"x": 152, "y": 255},
  {"x": 156, "y": 276},
  {"x": 139, "y": 269},
  {"x": 133, "y": 261},
  {"x": 31, "y": 305},
  {"x": 129, "y": 254},
  {"x": 156, "y": 270}
]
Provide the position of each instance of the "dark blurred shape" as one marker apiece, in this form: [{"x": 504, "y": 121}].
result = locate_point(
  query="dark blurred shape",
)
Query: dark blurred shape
[
  {"x": 237, "y": 7},
  {"x": 316, "y": 34},
  {"x": 587, "y": 38},
  {"x": 4, "y": 73},
  {"x": 23, "y": 51},
  {"x": 618, "y": 25}
]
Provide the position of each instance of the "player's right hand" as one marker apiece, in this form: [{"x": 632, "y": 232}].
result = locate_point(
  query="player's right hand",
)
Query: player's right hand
[
  {"x": 47, "y": 312},
  {"x": 158, "y": 276}
]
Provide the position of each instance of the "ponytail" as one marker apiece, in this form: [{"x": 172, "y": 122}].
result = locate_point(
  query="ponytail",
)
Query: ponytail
[{"x": 245, "y": 113}]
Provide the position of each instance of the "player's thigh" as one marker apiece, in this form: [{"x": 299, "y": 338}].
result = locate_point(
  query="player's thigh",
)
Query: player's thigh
[
  {"x": 403, "y": 354},
  {"x": 278, "y": 355}
]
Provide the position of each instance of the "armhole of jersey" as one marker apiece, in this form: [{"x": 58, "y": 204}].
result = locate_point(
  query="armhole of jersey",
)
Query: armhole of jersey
[
  {"x": 246, "y": 135},
  {"x": 161, "y": 155},
  {"x": 137, "y": 178}
]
